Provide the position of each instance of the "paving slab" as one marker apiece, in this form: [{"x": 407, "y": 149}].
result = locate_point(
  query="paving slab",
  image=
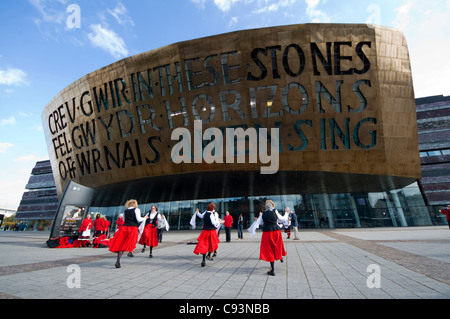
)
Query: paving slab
[{"x": 350, "y": 264}]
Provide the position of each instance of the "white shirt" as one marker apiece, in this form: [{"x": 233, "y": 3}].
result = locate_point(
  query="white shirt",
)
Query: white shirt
[
  {"x": 214, "y": 217},
  {"x": 152, "y": 215},
  {"x": 259, "y": 221},
  {"x": 280, "y": 218}
]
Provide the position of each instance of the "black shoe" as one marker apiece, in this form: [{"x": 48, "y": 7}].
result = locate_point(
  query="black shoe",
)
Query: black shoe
[
  {"x": 215, "y": 254},
  {"x": 117, "y": 265},
  {"x": 150, "y": 256},
  {"x": 130, "y": 254},
  {"x": 203, "y": 264},
  {"x": 271, "y": 273},
  {"x": 143, "y": 250},
  {"x": 281, "y": 260},
  {"x": 209, "y": 258}
]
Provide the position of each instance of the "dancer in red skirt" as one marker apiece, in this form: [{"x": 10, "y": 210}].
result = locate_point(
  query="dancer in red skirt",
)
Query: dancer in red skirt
[
  {"x": 127, "y": 237},
  {"x": 98, "y": 225},
  {"x": 119, "y": 222},
  {"x": 85, "y": 230},
  {"x": 272, "y": 246},
  {"x": 208, "y": 241},
  {"x": 149, "y": 235}
]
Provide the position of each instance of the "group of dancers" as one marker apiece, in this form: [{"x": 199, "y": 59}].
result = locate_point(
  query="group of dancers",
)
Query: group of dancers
[{"x": 125, "y": 239}]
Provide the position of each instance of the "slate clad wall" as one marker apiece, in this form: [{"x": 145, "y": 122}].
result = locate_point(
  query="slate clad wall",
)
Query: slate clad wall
[
  {"x": 433, "y": 123},
  {"x": 41, "y": 201}
]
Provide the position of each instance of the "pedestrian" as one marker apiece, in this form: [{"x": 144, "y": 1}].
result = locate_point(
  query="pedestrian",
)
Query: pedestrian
[
  {"x": 208, "y": 241},
  {"x": 149, "y": 230},
  {"x": 240, "y": 227},
  {"x": 126, "y": 238},
  {"x": 287, "y": 225},
  {"x": 228, "y": 222},
  {"x": 85, "y": 230},
  {"x": 446, "y": 211},
  {"x": 294, "y": 222},
  {"x": 161, "y": 226},
  {"x": 272, "y": 246}
]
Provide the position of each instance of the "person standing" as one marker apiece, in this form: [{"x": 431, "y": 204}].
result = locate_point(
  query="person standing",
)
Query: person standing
[
  {"x": 163, "y": 224},
  {"x": 106, "y": 225},
  {"x": 85, "y": 230},
  {"x": 126, "y": 238},
  {"x": 228, "y": 222},
  {"x": 149, "y": 231},
  {"x": 240, "y": 227},
  {"x": 208, "y": 241},
  {"x": 272, "y": 246},
  {"x": 98, "y": 225},
  {"x": 446, "y": 211},
  {"x": 294, "y": 222},
  {"x": 119, "y": 222}
]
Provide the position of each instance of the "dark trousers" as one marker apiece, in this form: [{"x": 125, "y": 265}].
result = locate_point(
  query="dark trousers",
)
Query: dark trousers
[{"x": 228, "y": 234}]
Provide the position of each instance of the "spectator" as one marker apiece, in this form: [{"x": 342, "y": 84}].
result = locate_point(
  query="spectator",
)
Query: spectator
[
  {"x": 228, "y": 222},
  {"x": 240, "y": 227}
]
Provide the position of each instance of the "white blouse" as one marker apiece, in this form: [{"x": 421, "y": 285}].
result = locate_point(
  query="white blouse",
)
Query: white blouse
[{"x": 280, "y": 219}]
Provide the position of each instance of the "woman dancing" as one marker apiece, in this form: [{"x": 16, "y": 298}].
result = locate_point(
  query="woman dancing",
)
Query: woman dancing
[
  {"x": 149, "y": 235},
  {"x": 127, "y": 237},
  {"x": 272, "y": 246},
  {"x": 208, "y": 241}
]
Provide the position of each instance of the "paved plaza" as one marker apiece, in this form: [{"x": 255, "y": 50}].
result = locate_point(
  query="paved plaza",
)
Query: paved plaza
[{"x": 382, "y": 263}]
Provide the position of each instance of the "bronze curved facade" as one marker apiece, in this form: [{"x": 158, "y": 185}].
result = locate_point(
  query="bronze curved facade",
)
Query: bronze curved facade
[{"x": 340, "y": 96}]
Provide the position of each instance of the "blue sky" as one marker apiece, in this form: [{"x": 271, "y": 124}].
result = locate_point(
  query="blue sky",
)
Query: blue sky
[{"x": 42, "y": 50}]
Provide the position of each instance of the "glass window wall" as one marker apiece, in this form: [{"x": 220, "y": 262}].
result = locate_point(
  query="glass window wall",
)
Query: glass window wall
[{"x": 397, "y": 208}]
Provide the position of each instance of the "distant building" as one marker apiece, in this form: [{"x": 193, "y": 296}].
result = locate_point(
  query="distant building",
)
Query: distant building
[
  {"x": 4, "y": 213},
  {"x": 39, "y": 204},
  {"x": 433, "y": 123}
]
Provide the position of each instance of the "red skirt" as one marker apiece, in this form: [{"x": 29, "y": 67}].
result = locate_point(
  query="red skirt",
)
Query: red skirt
[
  {"x": 272, "y": 246},
  {"x": 149, "y": 236},
  {"x": 207, "y": 242},
  {"x": 125, "y": 239}
]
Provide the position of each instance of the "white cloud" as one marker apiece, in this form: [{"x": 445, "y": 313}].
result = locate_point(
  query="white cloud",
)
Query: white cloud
[
  {"x": 4, "y": 147},
  {"x": 49, "y": 14},
  {"x": 233, "y": 21},
  {"x": 27, "y": 159},
  {"x": 223, "y": 5},
  {"x": 199, "y": 3},
  {"x": 16, "y": 177},
  {"x": 52, "y": 18},
  {"x": 37, "y": 128},
  {"x": 314, "y": 14},
  {"x": 108, "y": 40},
  {"x": 403, "y": 14},
  {"x": 9, "y": 121},
  {"x": 13, "y": 76},
  {"x": 25, "y": 114},
  {"x": 121, "y": 15},
  {"x": 274, "y": 6},
  {"x": 426, "y": 28}
]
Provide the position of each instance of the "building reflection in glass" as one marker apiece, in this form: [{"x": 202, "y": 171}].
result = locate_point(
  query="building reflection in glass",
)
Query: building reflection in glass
[{"x": 398, "y": 208}]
